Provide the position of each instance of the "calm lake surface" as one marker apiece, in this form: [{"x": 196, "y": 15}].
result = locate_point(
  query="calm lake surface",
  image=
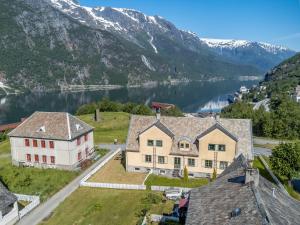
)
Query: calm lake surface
[{"x": 190, "y": 97}]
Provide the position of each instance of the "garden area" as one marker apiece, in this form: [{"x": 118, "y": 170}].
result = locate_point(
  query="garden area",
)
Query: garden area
[
  {"x": 108, "y": 206},
  {"x": 114, "y": 172},
  {"x": 155, "y": 180},
  {"x": 113, "y": 125}
]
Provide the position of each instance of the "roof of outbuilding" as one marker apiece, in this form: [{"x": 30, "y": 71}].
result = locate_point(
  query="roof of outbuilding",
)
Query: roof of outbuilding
[
  {"x": 212, "y": 204},
  {"x": 51, "y": 125},
  {"x": 191, "y": 128},
  {"x": 6, "y": 198}
]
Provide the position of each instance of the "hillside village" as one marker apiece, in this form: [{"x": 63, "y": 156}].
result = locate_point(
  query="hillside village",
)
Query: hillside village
[{"x": 168, "y": 164}]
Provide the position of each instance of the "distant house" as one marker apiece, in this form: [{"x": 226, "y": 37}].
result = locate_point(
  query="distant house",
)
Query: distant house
[
  {"x": 160, "y": 105},
  {"x": 166, "y": 145},
  {"x": 9, "y": 213},
  {"x": 51, "y": 140},
  {"x": 297, "y": 94},
  {"x": 241, "y": 196},
  {"x": 244, "y": 90}
]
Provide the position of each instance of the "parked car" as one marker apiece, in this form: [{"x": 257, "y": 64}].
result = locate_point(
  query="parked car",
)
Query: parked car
[{"x": 173, "y": 193}]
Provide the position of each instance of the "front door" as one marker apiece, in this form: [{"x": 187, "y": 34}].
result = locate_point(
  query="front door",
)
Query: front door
[{"x": 177, "y": 163}]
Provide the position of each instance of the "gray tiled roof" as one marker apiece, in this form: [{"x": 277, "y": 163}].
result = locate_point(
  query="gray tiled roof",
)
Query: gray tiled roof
[
  {"x": 57, "y": 126},
  {"x": 6, "y": 199},
  {"x": 190, "y": 128},
  {"x": 212, "y": 204}
]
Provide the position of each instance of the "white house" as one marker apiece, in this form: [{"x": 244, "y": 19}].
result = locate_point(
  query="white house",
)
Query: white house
[
  {"x": 9, "y": 213},
  {"x": 51, "y": 140},
  {"x": 297, "y": 94}
]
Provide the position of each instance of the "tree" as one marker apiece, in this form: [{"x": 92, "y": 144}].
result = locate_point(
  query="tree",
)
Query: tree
[
  {"x": 185, "y": 175},
  {"x": 214, "y": 175},
  {"x": 285, "y": 160}
]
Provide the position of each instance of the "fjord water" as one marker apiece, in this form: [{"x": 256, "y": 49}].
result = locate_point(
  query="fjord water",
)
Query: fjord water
[{"x": 190, "y": 97}]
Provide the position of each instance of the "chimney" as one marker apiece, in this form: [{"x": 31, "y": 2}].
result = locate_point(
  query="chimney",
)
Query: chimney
[
  {"x": 158, "y": 114},
  {"x": 252, "y": 174}
]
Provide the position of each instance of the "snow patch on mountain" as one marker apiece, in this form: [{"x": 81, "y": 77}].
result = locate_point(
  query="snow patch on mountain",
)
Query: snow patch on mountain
[
  {"x": 147, "y": 63},
  {"x": 151, "y": 42},
  {"x": 232, "y": 44},
  {"x": 125, "y": 12}
]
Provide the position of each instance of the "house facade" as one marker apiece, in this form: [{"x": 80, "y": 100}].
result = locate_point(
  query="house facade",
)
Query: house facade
[
  {"x": 51, "y": 140},
  {"x": 166, "y": 145},
  {"x": 297, "y": 94},
  {"x": 9, "y": 212}
]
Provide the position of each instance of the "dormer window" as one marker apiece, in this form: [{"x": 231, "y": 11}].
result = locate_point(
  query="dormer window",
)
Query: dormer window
[
  {"x": 42, "y": 129},
  {"x": 184, "y": 145},
  {"x": 78, "y": 127}
]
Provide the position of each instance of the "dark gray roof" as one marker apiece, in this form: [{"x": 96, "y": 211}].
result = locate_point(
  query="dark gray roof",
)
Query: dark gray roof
[
  {"x": 6, "y": 199},
  {"x": 51, "y": 125},
  {"x": 212, "y": 204}
]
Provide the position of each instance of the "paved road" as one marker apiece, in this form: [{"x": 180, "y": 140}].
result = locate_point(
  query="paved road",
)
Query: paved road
[
  {"x": 45, "y": 209},
  {"x": 112, "y": 146},
  {"x": 263, "y": 141},
  {"x": 262, "y": 151}
]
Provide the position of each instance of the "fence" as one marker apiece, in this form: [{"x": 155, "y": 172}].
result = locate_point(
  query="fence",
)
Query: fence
[
  {"x": 114, "y": 186},
  {"x": 99, "y": 167},
  {"x": 34, "y": 202},
  {"x": 163, "y": 188}
]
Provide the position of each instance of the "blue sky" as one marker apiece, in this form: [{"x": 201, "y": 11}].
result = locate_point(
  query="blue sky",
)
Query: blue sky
[{"x": 273, "y": 21}]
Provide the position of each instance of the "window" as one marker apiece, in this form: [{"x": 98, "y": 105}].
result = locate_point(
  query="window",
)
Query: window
[
  {"x": 159, "y": 143},
  {"x": 78, "y": 141},
  {"x": 35, "y": 143},
  {"x": 52, "y": 159},
  {"x": 86, "y": 137},
  {"x": 181, "y": 145},
  {"x": 27, "y": 143},
  {"x": 211, "y": 147},
  {"x": 161, "y": 160},
  {"x": 223, "y": 165},
  {"x": 150, "y": 142},
  {"x": 148, "y": 158},
  {"x": 162, "y": 171},
  {"x": 51, "y": 143},
  {"x": 28, "y": 157},
  {"x": 221, "y": 148},
  {"x": 136, "y": 169},
  {"x": 79, "y": 156},
  {"x": 43, "y": 144},
  {"x": 191, "y": 162},
  {"x": 44, "y": 159},
  {"x": 191, "y": 175},
  {"x": 187, "y": 145},
  {"x": 86, "y": 151},
  {"x": 36, "y": 158},
  {"x": 208, "y": 164}
]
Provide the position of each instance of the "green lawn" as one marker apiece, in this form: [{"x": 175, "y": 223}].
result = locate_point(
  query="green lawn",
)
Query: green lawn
[
  {"x": 175, "y": 182},
  {"x": 113, "y": 125},
  {"x": 108, "y": 207},
  {"x": 4, "y": 147},
  {"x": 34, "y": 181},
  {"x": 262, "y": 170}
]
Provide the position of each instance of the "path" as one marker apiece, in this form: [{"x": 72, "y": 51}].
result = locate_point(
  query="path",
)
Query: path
[
  {"x": 45, "y": 209},
  {"x": 262, "y": 151},
  {"x": 4, "y": 155},
  {"x": 112, "y": 146},
  {"x": 264, "y": 141}
]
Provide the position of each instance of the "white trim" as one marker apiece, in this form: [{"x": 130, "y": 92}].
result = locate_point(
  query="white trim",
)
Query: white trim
[{"x": 69, "y": 128}]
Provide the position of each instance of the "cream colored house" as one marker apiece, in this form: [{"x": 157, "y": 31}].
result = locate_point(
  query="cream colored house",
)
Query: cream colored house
[
  {"x": 51, "y": 140},
  {"x": 166, "y": 145}
]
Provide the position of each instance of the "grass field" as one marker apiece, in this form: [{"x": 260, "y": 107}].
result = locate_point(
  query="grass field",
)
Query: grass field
[
  {"x": 175, "y": 182},
  {"x": 114, "y": 172},
  {"x": 113, "y": 125},
  {"x": 96, "y": 206},
  {"x": 4, "y": 147}
]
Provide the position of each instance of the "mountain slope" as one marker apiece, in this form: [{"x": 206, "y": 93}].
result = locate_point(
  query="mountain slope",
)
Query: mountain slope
[
  {"x": 263, "y": 55},
  {"x": 47, "y": 44}
]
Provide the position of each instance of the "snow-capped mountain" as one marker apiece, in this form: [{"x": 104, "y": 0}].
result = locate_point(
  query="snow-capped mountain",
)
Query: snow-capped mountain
[
  {"x": 59, "y": 42},
  {"x": 263, "y": 55}
]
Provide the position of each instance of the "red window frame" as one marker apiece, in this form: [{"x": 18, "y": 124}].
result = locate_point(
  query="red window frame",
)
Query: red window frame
[
  {"x": 43, "y": 144},
  {"x": 44, "y": 157},
  {"x": 34, "y": 143},
  {"x": 27, "y": 142},
  {"x": 78, "y": 141},
  {"x": 86, "y": 137},
  {"x": 36, "y": 158},
  {"x": 28, "y": 157},
  {"x": 52, "y": 159},
  {"x": 51, "y": 144},
  {"x": 79, "y": 157}
]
